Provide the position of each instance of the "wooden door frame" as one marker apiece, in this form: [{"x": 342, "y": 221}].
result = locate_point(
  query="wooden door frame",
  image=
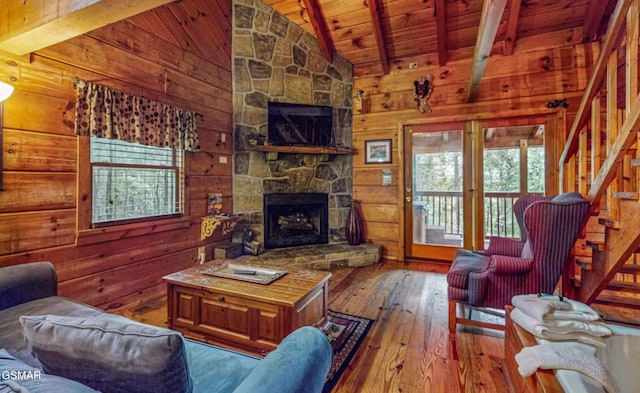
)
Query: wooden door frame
[
  {"x": 555, "y": 133},
  {"x": 440, "y": 252}
]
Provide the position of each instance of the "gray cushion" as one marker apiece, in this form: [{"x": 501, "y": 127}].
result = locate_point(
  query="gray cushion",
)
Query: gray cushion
[
  {"x": 110, "y": 353},
  {"x": 26, "y": 282},
  {"x": 11, "y": 336},
  {"x": 466, "y": 262},
  {"x": 17, "y": 376},
  {"x": 568, "y": 197}
]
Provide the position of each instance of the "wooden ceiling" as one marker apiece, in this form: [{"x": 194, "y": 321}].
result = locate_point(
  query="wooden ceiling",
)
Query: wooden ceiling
[{"x": 377, "y": 34}]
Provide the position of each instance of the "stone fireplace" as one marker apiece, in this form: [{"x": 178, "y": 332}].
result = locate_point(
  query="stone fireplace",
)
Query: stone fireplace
[
  {"x": 295, "y": 219},
  {"x": 274, "y": 59}
]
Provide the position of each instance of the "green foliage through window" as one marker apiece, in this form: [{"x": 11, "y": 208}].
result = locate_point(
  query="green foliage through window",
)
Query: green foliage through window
[
  {"x": 438, "y": 187},
  {"x": 133, "y": 181},
  {"x": 502, "y": 170}
]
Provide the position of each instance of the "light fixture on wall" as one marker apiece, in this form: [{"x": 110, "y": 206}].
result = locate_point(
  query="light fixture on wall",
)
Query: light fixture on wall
[
  {"x": 361, "y": 103},
  {"x": 5, "y": 91}
]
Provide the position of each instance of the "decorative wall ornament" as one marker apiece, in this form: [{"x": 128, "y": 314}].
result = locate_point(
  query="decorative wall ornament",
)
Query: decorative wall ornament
[
  {"x": 361, "y": 103},
  {"x": 558, "y": 103},
  {"x": 209, "y": 224},
  {"x": 422, "y": 92}
]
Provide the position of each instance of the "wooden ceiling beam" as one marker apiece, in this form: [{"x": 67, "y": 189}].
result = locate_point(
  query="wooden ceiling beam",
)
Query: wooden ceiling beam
[
  {"x": 441, "y": 31},
  {"x": 319, "y": 23},
  {"x": 512, "y": 27},
  {"x": 593, "y": 19},
  {"x": 492, "y": 11},
  {"x": 376, "y": 10},
  {"x": 27, "y": 26}
]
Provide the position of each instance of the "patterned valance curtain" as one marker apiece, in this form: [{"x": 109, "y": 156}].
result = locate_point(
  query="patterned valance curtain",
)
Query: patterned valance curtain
[{"x": 112, "y": 114}]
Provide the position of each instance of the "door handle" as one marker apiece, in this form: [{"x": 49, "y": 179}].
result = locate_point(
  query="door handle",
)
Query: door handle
[{"x": 408, "y": 199}]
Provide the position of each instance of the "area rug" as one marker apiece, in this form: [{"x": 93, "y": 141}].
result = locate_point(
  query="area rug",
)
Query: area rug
[{"x": 345, "y": 332}]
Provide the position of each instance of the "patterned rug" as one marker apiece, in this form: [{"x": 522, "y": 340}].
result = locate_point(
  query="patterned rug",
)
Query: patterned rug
[{"x": 346, "y": 333}]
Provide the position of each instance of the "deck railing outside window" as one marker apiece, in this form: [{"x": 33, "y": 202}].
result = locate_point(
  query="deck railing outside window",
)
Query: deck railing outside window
[{"x": 444, "y": 209}]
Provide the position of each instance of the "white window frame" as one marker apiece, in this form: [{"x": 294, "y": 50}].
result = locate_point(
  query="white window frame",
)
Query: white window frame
[{"x": 86, "y": 179}]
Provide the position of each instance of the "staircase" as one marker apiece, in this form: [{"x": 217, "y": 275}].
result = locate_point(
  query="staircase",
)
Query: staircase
[{"x": 601, "y": 161}]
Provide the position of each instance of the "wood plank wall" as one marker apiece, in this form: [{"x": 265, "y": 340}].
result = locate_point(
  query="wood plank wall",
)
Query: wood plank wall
[
  {"x": 152, "y": 55},
  {"x": 517, "y": 85}
]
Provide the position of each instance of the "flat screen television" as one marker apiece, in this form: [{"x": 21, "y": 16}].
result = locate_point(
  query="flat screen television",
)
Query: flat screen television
[{"x": 300, "y": 125}]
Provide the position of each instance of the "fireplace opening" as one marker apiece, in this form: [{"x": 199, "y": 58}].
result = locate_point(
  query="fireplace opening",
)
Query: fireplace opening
[{"x": 295, "y": 219}]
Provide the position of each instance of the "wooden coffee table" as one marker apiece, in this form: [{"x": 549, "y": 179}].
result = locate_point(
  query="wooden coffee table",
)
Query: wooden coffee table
[{"x": 242, "y": 315}]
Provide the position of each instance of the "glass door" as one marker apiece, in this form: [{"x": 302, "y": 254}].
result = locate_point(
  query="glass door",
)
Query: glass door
[
  {"x": 434, "y": 203},
  {"x": 513, "y": 165},
  {"x": 461, "y": 180}
]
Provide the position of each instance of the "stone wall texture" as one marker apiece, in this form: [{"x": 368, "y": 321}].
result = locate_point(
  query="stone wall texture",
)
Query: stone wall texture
[{"x": 274, "y": 59}]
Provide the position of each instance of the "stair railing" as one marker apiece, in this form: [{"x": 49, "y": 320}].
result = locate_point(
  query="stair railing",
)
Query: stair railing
[{"x": 605, "y": 175}]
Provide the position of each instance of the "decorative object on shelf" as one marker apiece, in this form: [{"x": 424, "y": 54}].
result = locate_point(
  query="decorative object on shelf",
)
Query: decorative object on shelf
[
  {"x": 209, "y": 224},
  {"x": 377, "y": 151},
  {"x": 214, "y": 204},
  {"x": 354, "y": 230},
  {"x": 254, "y": 139},
  {"x": 422, "y": 91},
  {"x": 251, "y": 246},
  {"x": 558, "y": 103}
]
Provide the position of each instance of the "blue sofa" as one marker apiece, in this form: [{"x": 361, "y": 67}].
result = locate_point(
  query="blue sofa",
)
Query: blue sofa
[{"x": 41, "y": 334}]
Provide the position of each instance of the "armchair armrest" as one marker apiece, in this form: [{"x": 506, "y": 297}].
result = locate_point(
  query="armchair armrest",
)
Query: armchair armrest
[
  {"x": 510, "y": 265},
  {"x": 504, "y": 246},
  {"x": 24, "y": 283},
  {"x": 300, "y": 364}
]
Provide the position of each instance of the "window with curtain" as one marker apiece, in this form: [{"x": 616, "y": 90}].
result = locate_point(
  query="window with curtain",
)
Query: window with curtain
[{"x": 136, "y": 154}]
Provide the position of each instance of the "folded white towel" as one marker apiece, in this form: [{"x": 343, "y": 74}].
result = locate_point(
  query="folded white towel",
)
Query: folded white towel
[
  {"x": 586, "y": 336},
  {"x": 568, "y": 326},
  {"x": 565, "y": 356},
  {"x": 545, "y": 308}
]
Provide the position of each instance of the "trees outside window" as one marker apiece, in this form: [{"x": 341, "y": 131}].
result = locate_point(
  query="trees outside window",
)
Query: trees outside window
[
  {"x": 132, "y": 181},
  {"x": 438, "y": 178}
]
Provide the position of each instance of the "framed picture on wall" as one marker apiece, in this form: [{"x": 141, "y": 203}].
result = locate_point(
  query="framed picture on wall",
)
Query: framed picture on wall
[{"x": 377, "y": 151}]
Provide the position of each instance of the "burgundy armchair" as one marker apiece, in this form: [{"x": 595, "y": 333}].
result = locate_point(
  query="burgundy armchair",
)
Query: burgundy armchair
[{"x": 549, "y": 228}]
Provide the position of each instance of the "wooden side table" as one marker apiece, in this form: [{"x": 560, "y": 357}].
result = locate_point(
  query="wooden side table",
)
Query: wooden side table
[{"x": 241, "y": 315}]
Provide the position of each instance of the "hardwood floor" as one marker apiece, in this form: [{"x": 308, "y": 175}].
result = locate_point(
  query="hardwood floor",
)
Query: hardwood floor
[{"x": 408, "y": 348}]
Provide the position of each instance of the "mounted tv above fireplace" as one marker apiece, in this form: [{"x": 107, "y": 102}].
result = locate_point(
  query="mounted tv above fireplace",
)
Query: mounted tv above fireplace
[{"x": 300, "y": 125}]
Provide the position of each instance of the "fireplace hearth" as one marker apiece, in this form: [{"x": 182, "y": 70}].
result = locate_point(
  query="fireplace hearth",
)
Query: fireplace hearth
[{"x": 295, "y": 219}]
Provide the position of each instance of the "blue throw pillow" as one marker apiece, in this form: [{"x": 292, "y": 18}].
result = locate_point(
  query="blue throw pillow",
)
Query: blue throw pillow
[
  {"x": 110, "y": 353},
  {"x": 17, "y": 376}
]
